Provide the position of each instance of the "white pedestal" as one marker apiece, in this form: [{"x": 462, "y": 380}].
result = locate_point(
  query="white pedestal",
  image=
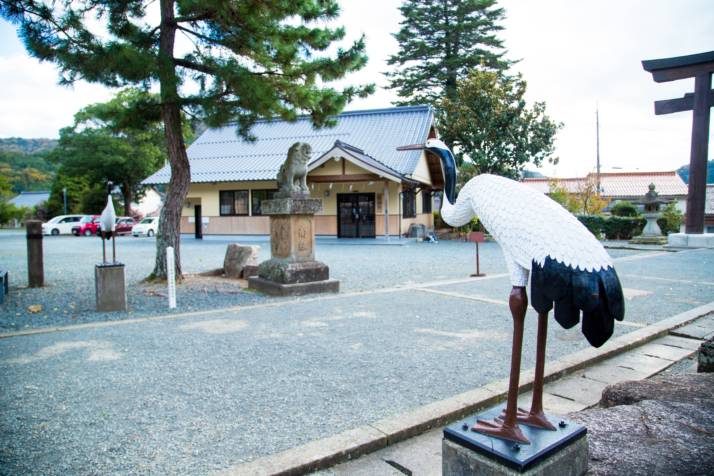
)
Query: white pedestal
[{"x": 690, "y": 240}]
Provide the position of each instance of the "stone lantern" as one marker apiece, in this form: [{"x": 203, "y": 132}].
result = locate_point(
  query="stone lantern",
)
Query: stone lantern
[{"x": 651, "y": 234}]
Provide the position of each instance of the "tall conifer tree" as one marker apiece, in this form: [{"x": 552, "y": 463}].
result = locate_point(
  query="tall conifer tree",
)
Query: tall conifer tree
[
  {"x": 439, "y": 42},
  {"x": 249, "y": 59}
]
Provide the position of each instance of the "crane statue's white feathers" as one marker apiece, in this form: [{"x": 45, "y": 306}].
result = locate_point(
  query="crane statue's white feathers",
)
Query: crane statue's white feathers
[
  {"x": 569, "y": 268},
  {"x": 527, "y": 224},
  {"x": 107, "y": 220}
]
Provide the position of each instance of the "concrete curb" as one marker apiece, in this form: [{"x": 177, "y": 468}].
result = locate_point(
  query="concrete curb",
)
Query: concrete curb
[{"x": 321, "y": 454}]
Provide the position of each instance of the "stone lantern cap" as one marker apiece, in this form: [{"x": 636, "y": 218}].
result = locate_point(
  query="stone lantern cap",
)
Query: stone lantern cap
[{"x": 651, "y": 200}]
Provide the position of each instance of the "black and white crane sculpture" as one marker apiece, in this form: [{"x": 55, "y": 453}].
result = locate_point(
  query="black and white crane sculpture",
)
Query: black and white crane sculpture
[{"x": 570, "y": 272}]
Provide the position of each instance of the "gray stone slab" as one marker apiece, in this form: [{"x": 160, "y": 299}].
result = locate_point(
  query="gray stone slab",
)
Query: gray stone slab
[
  {"x": 655, "y": 349},
  {"x": 110, "y": 287},
  {"x": 552, "y": 404},
  {"x": 679, "y": 342},
  {"x": 577, "y": 388},
  {"x": 644, "y": 363},
  {"x": 296, "y": 289},
  {"x": 420, "y": 455},
  {"x": 694, "y": 331},
  {"x": 610, "y": 373},
  {"x": 459, "y": 461}
]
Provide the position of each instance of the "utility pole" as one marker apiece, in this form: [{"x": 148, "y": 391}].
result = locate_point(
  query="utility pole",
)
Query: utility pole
[
  {"x": 64, "y": 193},
  {"x": 597, "y": 146}
]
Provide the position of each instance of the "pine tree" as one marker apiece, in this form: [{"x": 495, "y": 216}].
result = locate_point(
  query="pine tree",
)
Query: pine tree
[
  {"x": 248, "y": 58},
  {"x": 440, "y": 41}
]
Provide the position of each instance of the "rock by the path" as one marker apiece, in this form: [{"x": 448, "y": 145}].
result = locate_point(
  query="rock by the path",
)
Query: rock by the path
[
  {"x": 705, "y": 358},
  {"x": 238, "y": 257},
  {"x": 674, "y": 388},
  {"x": 659, "y": 426},
  {"x": 650, "y": 438}
]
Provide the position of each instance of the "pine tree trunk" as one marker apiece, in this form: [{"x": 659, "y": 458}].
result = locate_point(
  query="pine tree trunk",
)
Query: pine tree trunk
[{"x": 170, "y": 221}]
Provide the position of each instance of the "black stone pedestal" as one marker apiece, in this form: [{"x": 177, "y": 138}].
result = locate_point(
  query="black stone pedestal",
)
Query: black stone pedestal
[{"x": 560, "y": 452}]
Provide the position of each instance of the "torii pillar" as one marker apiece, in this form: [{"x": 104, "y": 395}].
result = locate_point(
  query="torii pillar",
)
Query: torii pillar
[{"x": 700, "y": 67}]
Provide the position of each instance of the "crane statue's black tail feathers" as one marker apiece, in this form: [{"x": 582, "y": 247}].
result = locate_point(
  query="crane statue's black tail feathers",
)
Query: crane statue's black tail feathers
[{"x": 598, "y": 294}]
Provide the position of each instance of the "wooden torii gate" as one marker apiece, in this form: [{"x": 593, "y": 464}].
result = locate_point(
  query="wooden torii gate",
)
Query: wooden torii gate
[{"x": 700, "y": 67}]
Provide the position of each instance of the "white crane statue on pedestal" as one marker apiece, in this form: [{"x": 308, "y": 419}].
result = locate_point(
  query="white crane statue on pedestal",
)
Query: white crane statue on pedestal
[{"x": 570, "y": 272}]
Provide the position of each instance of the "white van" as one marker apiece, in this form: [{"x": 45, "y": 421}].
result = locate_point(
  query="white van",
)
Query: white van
[
  {"x": 149, "y": 226},
  {"x": 61, "y": 225}
]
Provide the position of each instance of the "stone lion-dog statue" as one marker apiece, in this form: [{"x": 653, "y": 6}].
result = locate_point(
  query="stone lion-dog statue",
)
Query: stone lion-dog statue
[{"x": 292, "y": 176}]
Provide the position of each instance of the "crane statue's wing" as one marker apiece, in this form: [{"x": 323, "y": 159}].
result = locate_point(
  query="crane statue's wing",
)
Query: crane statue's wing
[{"x": 571, "y": 271}]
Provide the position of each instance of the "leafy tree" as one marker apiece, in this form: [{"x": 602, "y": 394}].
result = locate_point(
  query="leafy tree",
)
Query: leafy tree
[
  {"x": 76, "y": 186},
  {"x": 248, "y": 58},
  {"x": 588, "y": 199},
  {"x": 490, "y": 123},
  {"x": 107, "y": 143},
  {"x": 560, "y": 194},
  {"x": 440, "y": 41}
]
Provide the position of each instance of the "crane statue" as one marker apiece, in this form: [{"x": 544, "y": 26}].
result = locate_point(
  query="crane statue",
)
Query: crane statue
[
  {"x": 570, "y": 272},
  {"x": 107, "y": 224}
]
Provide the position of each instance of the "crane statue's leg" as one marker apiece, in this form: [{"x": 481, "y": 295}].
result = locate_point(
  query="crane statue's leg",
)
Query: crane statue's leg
[
  {"x": 506, "y": 427},
  {"x": 536, "y": 417}
]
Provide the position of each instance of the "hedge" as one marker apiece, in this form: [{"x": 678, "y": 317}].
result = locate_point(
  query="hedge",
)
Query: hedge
[{"x": 614, "y": 228}]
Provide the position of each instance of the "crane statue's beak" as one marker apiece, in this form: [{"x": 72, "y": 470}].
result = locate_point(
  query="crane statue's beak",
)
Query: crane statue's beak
[{"x": 412, "y": 147}]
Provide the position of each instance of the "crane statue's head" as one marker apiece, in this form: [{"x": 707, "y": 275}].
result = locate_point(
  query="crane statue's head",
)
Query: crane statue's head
[{"x": 448, "y": 164}]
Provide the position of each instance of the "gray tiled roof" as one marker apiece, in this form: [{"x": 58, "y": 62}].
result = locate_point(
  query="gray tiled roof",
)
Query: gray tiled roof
[
  {"x": 219, "y": 155},
  {"x": 30, "y": 199}
]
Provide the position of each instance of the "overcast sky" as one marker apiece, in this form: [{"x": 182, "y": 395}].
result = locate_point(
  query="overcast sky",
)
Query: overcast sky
[{"x": 573, "y": 54}]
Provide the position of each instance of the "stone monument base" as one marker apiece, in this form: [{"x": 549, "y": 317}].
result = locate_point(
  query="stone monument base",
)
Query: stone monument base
[
  {"x": 691, "y": 240},
  {"x": 649, "y": 240},
  {"x": 291, "y": 278},
  {"x": 295, "y": 289},
  {"x": 110, "y": 287},
  {"x": 563, "y": 452}
]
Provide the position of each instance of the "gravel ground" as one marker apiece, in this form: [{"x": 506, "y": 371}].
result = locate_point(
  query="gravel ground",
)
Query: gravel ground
[
  {"x": 68, "y": 297},
  {"x": 189, "y": 395}
]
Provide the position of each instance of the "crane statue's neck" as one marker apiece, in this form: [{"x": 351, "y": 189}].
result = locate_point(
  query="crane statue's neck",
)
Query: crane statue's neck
[{"x": 455, "y": 212}]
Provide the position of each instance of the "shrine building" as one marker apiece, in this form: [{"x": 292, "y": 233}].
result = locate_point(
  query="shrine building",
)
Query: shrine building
[{"x": 367, "y": 187}]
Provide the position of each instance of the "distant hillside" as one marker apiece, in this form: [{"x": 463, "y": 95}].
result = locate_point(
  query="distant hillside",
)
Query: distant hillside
[
  {"x": 683, "y": 172},
  {"x": 24, "y": 164},
  {"x": 27, "y": 146}
]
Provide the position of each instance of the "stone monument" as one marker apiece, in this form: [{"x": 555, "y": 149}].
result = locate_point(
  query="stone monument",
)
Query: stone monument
[
  {"x": 292, "y": 268},
  {"x": 651, "y": 233}
]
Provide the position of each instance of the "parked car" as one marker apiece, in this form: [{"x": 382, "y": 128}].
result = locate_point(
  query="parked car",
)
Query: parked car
[
  {"x": 149, "y": 226},
  {"x": 61, "y": 225},
  {"x": 124, "y": 225},
  {"x": 88, "y": 226}
]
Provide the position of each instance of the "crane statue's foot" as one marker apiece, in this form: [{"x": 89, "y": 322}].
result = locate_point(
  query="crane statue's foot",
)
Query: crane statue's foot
[
  {"x": 537, "y": 420},
  {"x": 499, "y": 429}
]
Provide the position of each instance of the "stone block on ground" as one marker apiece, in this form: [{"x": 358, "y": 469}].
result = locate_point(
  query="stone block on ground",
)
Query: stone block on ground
[
  {"x": 110, "y": 287},
  {"x": 705, "y": 357},
  {"x": 238, "y": 257},
  {"x": 672, "y": 388},
  {"x": 650, "y": 437}
]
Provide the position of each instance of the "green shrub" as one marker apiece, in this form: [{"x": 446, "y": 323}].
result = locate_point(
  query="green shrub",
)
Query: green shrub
[
  {"x": 624, "y": 209},
  {"x": 623, "y": 228},
  {"x": 593, "y": 223},
  {"x": 671, "y": 219},
  {"x": 613, "y": 228}
]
